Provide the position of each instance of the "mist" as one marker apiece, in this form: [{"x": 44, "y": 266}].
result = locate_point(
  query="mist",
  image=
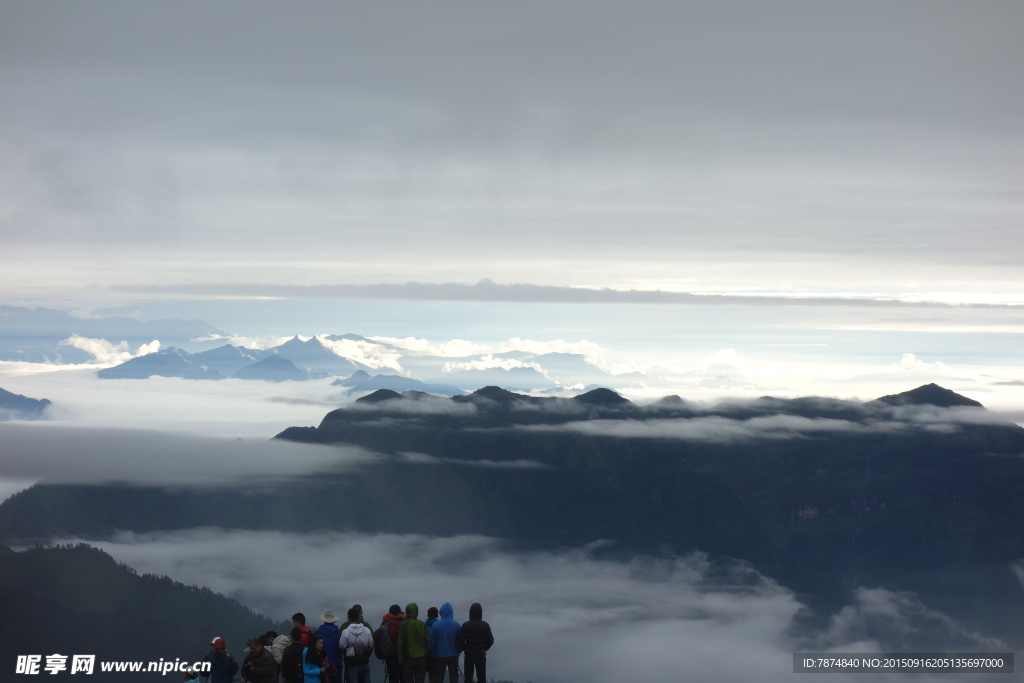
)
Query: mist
[
  {"x": 70, "y": 455},
  {"x": 556, "y": 616}
]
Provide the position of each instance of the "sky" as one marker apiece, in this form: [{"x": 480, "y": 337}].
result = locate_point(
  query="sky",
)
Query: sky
[{"x": 488, "y": 171}]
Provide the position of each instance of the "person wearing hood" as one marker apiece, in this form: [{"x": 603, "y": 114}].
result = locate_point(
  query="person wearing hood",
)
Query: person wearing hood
[
  {"x": 444, "y": 645},
  {"x": 475, "y": 640},
  {"x": 356, "y": 643},
  {"x": 331, "y": 633},
  {"x": 393, "y": 619},
  {"x": 412, "y": 646},
  {"x": 429, "y": 623}
]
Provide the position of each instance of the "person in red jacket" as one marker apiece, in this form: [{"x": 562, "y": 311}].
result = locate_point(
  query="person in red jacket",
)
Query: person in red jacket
[
  {"x": 394, "y": 621},
  {"x": 299, "y": 619}
]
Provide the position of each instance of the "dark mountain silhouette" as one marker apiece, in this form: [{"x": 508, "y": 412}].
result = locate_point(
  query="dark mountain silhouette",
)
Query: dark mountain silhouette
[
  {"x": 820, "y": 494},
  {"x": 91, "y": 598},
  {"x": 379, "y": 396},
  {"x": 601, "y": 397},
  {"x": 170, "y": 362},
  {"x": 273, "y": 369},
  {"x": 18, "y": 407},
  {"x": 497, "y": 395},
  {"x": 930, "y": 394}
]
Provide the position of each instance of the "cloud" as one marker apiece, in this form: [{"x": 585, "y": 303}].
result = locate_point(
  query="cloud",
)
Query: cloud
[
  {"x": 453, "y": 348},
  {"x": 489, "y": 362},
  {"x": 425, "y": 459},
  {"x": 261, "y": 343},
  {"x": 904, "y": 623},
  {"x": 487, "y": 290},
  {"x": 106, "y": 353},
  {"x": 712, "y": 429},
  {"x": 909, "y": 362},
  {"x": 365, "y": 352},
  {"x": 223, "y": 408},
  {"x": 954, "y": 415},
  {"x": 412, "y": 407},
  {"x": 70, "y": 455},
  {"x": 556, "y": 616}
]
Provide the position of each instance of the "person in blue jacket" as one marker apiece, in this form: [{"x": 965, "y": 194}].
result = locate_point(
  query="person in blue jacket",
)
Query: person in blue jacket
[
  {"x": 331, "y": 633},
  {"x": 314, "y": 661},
  {"x": 444, "y": 645}
]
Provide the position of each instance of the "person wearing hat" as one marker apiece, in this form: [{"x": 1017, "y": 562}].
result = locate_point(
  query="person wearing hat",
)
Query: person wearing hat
[
  {"x": 223, "y": 666},
  {"x": 331, "y": 634}
]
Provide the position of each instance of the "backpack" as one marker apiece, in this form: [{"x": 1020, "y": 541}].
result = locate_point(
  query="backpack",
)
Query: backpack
[{"x": 383, "y": 645}]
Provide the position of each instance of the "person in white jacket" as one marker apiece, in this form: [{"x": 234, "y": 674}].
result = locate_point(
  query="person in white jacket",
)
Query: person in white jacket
[{"x": 356, "y": 644}]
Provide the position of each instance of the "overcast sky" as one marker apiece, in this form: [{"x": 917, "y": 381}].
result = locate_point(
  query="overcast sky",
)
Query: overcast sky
[
  {"x": 664, "y": 144},
  {"x": 176, "y": 159}
]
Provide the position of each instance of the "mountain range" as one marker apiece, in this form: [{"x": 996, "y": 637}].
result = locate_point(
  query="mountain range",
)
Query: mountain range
[
  {"x": 299, "y": 360},
  {"x": 921, "y": 491},
  {"x": 90, "y": 598},
  {"x": 17, "y": 407}
]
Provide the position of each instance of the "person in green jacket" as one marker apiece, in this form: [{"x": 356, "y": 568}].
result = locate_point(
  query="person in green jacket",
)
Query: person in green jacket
[{"x": 412, "y": 646}]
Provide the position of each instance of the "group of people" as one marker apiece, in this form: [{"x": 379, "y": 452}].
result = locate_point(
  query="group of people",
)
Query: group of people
[{"x": 412, "y": 650}]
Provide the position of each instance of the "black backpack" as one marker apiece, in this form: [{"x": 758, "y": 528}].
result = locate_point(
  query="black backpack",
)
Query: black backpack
[{"x": 383, "y": 646}]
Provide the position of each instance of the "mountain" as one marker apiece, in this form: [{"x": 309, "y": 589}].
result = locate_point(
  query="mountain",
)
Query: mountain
[
  {"x": 820, "y": 494},
  {"x": 930, "y": 394},
  {"x": 315, "y": 357},
  {"x": 228, "y": 359},
  {"x": 170, "y": 362},
  {"x": 293, "y": 360},
  {"x": 91, "y": 597},
  {"x": 18, "y": 407},
  {"x": 273, "y": 369},
  {"x": 35, "y": 334},
  {"x": 361, "y": 381},
  {"x": 524, "y": 379}
]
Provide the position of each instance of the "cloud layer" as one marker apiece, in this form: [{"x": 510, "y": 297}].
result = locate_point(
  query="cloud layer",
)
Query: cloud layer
[
  {"x": 68, "y": 455},
  {"x": 556, "y": 617}
]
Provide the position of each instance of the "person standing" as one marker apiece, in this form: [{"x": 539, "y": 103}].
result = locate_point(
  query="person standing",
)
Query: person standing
[
  {"x": 222, "y": 665},
  {"x": 429, "y": 624},
  {"x": 388, "y": 645},
  {"x": 260, "y": 666},
  {"x": 475, "y": 639},
  {"x": 291, "y": 659},
  {"x": 356, "y": 644},
  {"x": 277, "y": 648},
  {"x": 412, "y": 646},
  {"x": 444, "y": 645},
  {"x": 331, "y": 633},
  {"x": 314, "y": 661},
  {"x": 299, "y": 619}
]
